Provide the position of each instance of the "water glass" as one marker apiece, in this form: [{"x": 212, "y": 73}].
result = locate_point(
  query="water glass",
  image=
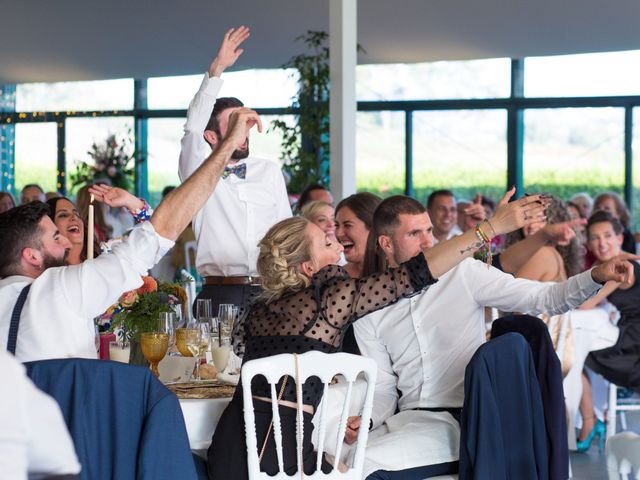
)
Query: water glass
[
  {"x": 119, "y": 351},
  {"x": 220, "y": 352}
]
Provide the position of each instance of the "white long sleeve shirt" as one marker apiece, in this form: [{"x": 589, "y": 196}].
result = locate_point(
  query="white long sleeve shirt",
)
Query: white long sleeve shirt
[
  {"x": 240, "y": 211},
  {"x": 34, "y": 439},
  {"x": 57, "y": 318},
  {"x": 422, "y": 344}
]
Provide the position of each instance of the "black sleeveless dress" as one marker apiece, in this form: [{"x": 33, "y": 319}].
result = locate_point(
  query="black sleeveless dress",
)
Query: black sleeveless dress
[
  {"x": 620, "y": 364},
  {"x": 312, "y": 319}
]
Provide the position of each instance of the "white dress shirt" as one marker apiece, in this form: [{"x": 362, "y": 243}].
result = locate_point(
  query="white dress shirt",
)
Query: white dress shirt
[
  {"x": 57, "y": 318},
  {"x": 423, "y": 344},
  {"x": 239, "y": 212},
  {"x": 33, "y": 436}
]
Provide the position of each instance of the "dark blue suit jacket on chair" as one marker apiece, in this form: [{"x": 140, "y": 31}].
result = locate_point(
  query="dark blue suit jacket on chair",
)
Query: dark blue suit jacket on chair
[{"x": 124, "y": 423}]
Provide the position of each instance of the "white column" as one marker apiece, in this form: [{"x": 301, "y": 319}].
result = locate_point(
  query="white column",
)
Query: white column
[{"x": 343, "y": 22}]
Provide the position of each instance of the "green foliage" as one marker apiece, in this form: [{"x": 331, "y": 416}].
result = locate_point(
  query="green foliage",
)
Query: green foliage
[
  {"x": 144, "y": 317},
  {"x": 112, "y": 161},
  {"x": 305, "y": 145}
]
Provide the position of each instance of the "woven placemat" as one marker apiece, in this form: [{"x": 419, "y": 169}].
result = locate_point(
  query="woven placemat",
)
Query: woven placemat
[{"x": 202, "y": 390}]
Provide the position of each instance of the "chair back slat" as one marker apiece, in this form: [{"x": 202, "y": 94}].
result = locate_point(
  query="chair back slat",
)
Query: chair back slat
[
  {"x": 299, "y": 415},
  {"x": 277, "y": 427},
  {"x": 342, "y": 428},
  {"x": 325, "y": 367},
  {"x": 322, "y": 429}
]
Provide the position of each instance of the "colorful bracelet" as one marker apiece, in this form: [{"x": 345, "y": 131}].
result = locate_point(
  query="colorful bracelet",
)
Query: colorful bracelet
[{"x": 142, "y": 214}]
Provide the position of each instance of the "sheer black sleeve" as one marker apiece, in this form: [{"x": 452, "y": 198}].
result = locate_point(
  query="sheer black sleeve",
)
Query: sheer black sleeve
[{"x": 345, "y": 300}]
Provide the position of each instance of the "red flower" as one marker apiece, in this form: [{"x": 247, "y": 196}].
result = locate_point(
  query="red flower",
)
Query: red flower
[{"x": 149, "y": 285}]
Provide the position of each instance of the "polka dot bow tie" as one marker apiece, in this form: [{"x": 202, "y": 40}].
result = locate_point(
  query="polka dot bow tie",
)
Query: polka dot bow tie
[{"x": 239, "y": 171}]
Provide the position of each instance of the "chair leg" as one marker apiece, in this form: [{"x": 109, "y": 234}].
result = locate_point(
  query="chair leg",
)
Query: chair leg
[
  {"x": 623, "y": 421},
  {"x": 612, "y": 410}
]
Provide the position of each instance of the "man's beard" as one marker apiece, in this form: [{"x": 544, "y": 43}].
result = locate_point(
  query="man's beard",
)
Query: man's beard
[
  {"x": 240, "y": 154},
  {"x": 49, "y": 261}
]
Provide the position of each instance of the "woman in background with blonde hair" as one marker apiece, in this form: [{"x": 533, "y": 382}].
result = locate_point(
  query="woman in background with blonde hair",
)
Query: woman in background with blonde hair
[{"x": 307, "y": 304}]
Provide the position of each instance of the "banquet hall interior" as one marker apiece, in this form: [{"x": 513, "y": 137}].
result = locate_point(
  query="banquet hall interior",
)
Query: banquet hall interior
[{"x": 455, "y": 100}]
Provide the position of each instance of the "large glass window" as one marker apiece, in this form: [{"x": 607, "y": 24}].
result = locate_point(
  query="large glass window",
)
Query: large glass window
[
  {"x": 36, "y": 151},
  {"x": 75, "y": 96},
  {"x": 591, "y": 74},
  {"x": 163, "y": 148},
  {"x": 464, "y": 151},
  {"x": 573, "y": 150},
  {"x": 380, "y": 152},
  {"x": 436, "y": 80},
  {"x": 256, "y": 88},
  {"x": 82, "y": 133}
]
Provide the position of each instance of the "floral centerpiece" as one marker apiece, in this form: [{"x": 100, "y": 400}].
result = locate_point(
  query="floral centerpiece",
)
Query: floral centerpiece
[
  {"x": 111, "y": 161},
  {"x": 138, "y": 310}
]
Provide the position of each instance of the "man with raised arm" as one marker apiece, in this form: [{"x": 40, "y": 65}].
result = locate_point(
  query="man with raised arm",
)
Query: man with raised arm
[
  {"x": 47, "y": 308},
  {"x": 251, "y": 196},
  {"x": 422, "y": 344}
]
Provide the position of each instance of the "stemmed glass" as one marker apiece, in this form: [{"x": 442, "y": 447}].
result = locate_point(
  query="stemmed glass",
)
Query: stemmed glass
[
  {"x": 199, "y": 342},
  {"x": 154, "y": 348},
  {"x": 204, "y": 309},
  {"x": 226, "y": 316},
  {"x": 167, "y": 324}
]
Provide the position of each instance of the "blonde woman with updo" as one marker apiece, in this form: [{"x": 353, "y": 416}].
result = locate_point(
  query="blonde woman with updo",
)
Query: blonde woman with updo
[{"x": 307, "y": 303}]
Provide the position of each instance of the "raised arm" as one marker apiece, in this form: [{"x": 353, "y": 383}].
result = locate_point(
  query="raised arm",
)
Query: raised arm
[
  {"x": 229, "y": 50},
  {"x": 178, "y": 208},
  {"x": 514, "y": 257},
  {"x": 509, "y": 216}
]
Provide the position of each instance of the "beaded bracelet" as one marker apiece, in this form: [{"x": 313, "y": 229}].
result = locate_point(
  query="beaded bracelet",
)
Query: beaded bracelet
[
  {"x": 484, "y": 238},
  {"x": 142, "y": 214}
]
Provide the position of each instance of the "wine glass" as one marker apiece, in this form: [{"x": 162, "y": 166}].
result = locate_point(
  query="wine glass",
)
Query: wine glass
[
  {"x": 225, "y": 318},
  {"x": 177, "y": 309},
  {"x": 204, "y": 309},
  {"x": 166, "y": 324},
  {"x": 154, "y": 348},
  {"x": 220, "y": 352},
  {"x": 198, "y": 343},
  {"x": 182, "y": 338}
]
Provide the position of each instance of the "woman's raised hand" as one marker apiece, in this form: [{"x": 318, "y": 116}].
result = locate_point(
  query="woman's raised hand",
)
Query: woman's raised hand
[
  {"x": 115, "y": 197},
  {"x": 511, "y": 216}
]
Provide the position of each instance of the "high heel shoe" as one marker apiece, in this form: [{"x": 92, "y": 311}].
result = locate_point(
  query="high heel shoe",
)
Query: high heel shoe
[{"x": 598, "y": 429}]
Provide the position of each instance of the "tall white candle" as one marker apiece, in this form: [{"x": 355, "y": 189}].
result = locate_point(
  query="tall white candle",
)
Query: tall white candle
[{"x": 90, "y": 231}]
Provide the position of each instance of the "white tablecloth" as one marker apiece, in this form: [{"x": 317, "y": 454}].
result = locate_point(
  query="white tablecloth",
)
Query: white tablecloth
[{"x": 201, "y": 417}]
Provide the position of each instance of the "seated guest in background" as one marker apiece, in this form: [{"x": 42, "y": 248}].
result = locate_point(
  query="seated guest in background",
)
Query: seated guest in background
[
  {"x": 250, "y": 198},
  {"x": 354, "y": 217},
  {"x": 442, "y": 208},
  {"x": 56, "y": 314},
  {"x": 34, "y": 440},
  {"x": 32, "y": 192},
  {"x": 6, "y": 201},
  {"x": 323, "y": 215},
  {"x": 461, "y": 206},
  {"x": 66, "y": 217},
  {"x": 612, "y": 203},
  {"x": 423, "y": 344},
  {"x": 50, "y": 195},
  {"x": 307, "y": 304},
  {"x": 552, "y": 263},
  {"x": 489, "y": 206},
  {"x": 312, "y": 193},
  {"x": 620, "y": 363},
  {"x": 584, "y": 202}
]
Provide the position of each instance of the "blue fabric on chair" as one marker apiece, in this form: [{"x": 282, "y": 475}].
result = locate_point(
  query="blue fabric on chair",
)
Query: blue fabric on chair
[
  {"x": 549, "y": 373},
  {"x": 502, "y": 425},
  {"x": 124, "y": 423}
]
